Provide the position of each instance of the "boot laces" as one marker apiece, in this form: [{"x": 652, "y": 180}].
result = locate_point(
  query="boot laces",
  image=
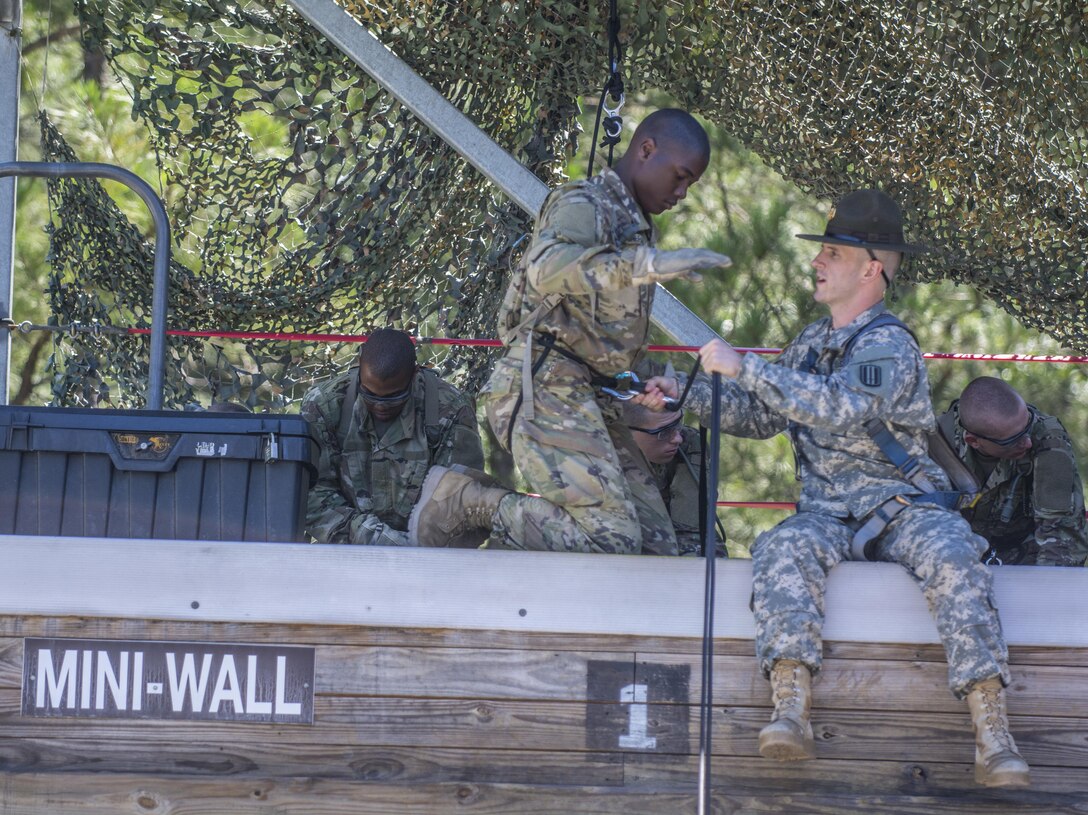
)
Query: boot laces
[
  {"x": 788, "y": 701},
  {"x": 994, "y": 721}
]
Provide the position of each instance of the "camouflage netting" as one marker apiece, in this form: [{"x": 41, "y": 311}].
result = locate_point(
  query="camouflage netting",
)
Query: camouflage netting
[{"x": 304, "y": 198}]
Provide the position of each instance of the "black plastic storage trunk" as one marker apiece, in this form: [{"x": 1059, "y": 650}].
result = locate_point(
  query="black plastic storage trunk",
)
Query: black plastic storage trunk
[{"x": 154, "y": 474}]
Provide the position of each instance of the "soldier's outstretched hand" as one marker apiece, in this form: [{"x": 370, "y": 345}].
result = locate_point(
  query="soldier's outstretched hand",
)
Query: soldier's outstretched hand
[{"x": 680, "y": 263}]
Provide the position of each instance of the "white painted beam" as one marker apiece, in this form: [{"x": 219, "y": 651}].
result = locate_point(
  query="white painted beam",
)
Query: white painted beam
[{"x": 513, "y": 591}]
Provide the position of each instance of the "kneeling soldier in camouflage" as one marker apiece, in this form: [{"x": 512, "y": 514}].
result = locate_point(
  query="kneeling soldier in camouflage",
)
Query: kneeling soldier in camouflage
[
  {"x": 1031, "y": 508},
  {"x": 381, "y": 427},
  {"x": 575, "y": 320}
]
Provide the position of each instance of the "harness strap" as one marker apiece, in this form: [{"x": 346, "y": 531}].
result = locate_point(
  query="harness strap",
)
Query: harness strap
[
  {"x": 347, "y": 407},
  {"x": 430, "y": 398},
  {"x": 529, "y": 371},
  {"x": 905, "y": 464},
  {"x": 862, "y": 547},
  {"x": 908, "y": 466}
]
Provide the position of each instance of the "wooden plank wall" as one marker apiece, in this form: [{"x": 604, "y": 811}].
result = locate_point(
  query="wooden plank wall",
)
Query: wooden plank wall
[{"x": 455, "y": 721}]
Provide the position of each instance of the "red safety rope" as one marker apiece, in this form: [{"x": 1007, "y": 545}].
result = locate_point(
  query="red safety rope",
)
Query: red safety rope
[
  {"x": 489, "y": 343},
  {"x": 759, "y": 504}
]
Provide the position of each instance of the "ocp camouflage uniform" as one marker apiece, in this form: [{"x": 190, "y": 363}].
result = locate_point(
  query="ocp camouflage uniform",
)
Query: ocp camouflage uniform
[
  {"x": 367, "y": 485},
  {"x": 677, "y": 481},
  {"x": 845, "y": 476},
  {"x": 570, "y": 442},
  {"x": 1032, "y": 508}
]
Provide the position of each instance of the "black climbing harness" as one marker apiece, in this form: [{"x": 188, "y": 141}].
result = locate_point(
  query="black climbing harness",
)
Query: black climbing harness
[{"x": 623, "y": 386}]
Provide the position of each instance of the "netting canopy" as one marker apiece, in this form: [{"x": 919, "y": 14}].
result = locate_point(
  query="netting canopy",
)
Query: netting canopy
[{"x": 304, "y": 198}]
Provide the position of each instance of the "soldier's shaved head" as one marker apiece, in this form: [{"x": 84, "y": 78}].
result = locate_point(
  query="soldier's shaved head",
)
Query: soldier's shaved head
[
  {"x": 987, "y": 402},
  {"x": 668, "y": 153},
  {"x": 674, "y": 128},
  {"x": 388, "y": 354}
]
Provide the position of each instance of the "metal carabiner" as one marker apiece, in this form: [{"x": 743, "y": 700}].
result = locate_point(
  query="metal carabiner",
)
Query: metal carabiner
[
  {"x": 632, "y": 389},
  {"x": 613, "y": 112},
  {"x": 992, "y": 559}
]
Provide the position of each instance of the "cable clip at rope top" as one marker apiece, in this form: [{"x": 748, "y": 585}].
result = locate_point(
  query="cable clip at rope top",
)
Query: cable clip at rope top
[{"x": 612, "y": 123}]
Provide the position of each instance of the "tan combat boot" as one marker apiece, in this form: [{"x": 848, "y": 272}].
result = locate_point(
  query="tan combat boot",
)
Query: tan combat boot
[
  {"x": 789, "y": 735},
  {"x": 455, "y": 508},
  {"x": 997, "y": 761}
]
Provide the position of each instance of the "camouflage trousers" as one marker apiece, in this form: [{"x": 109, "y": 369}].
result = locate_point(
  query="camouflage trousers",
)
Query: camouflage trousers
[
  {"x": 576, "y": 453},
  {"x": 790, "y": 565}
]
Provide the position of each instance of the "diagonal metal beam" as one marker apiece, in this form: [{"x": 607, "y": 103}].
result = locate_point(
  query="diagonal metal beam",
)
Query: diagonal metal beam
[
  {"x": 475, "y": 146},
  {"x": 11, "y": 15}
]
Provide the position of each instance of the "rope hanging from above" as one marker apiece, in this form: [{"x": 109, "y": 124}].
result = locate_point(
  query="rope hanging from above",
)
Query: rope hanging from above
[{"x": 613, "y": 89}]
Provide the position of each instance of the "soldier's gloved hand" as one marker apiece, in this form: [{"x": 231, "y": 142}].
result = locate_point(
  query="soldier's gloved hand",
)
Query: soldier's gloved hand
[{"x": 663, "y": 266}]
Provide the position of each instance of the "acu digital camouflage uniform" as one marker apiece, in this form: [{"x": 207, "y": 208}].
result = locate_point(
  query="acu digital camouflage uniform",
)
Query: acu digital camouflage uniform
[
  {"x": 569, "y": 442},
  {"x": 1031, "y": 509},
  {"x": 844, "y": 477},
  {"x": 367, "y": 485}
]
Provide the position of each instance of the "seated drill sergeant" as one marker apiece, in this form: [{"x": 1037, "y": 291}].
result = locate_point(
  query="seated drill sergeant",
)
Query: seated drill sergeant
[
  {"x": 673, "y": 458},
  {"x": 381, "y": 426},
  {"x": 1031, "y": 507}
]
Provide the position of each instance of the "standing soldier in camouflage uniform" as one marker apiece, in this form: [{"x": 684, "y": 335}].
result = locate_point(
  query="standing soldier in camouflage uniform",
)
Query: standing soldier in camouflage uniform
[
  {"x": 577, "y": 313},
  {"x": 1031, "y": 509},
  {"x": 381, "y": 426},
  {"x": 850, "y": 390},
  {"x": 673, "y": 457}
]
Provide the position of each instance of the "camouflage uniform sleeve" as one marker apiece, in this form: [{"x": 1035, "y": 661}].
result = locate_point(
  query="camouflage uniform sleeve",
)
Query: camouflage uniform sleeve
[
  {"x": 1058, "y": 501},
  {"x": 570, "y": 255},
  {"x": 330, "y": 517},
  {"x": 460, "y": 443},
  {"x": 881, "y": 373},
  {"x": 743, "y": 413}
]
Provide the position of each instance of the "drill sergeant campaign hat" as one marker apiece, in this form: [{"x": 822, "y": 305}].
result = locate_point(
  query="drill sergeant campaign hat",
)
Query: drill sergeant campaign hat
[{"x": 868, "y": 219}]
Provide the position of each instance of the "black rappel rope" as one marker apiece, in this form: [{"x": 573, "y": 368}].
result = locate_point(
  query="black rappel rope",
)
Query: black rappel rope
[
  {"x": 706, "y": 710},
  {"x": 613, "y": 87}
]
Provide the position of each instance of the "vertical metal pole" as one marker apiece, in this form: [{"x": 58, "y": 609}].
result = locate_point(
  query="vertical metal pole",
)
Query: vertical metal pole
[{"x": 11, "y": 17}]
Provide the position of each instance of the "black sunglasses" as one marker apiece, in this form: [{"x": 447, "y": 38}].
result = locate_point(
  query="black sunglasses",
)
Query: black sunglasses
[
  {"x": 1014, "y": 438},
  {"x": 669, "y": 428},
  {"x": 392, "y": 399}
]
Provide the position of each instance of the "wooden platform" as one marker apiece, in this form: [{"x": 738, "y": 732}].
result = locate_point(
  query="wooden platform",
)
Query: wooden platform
[{"x": 494, "y": 682}]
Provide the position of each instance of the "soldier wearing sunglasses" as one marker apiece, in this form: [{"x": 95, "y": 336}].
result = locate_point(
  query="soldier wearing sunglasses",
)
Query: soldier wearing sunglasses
[
  {"x": 673, "y": 458},
  {"x": 1032, "y": 505},
  {"x": 381, "y": 426}
]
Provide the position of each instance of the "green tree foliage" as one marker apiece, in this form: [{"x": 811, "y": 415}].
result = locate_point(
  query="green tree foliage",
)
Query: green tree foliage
[{"x": 61, "y": 77}]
